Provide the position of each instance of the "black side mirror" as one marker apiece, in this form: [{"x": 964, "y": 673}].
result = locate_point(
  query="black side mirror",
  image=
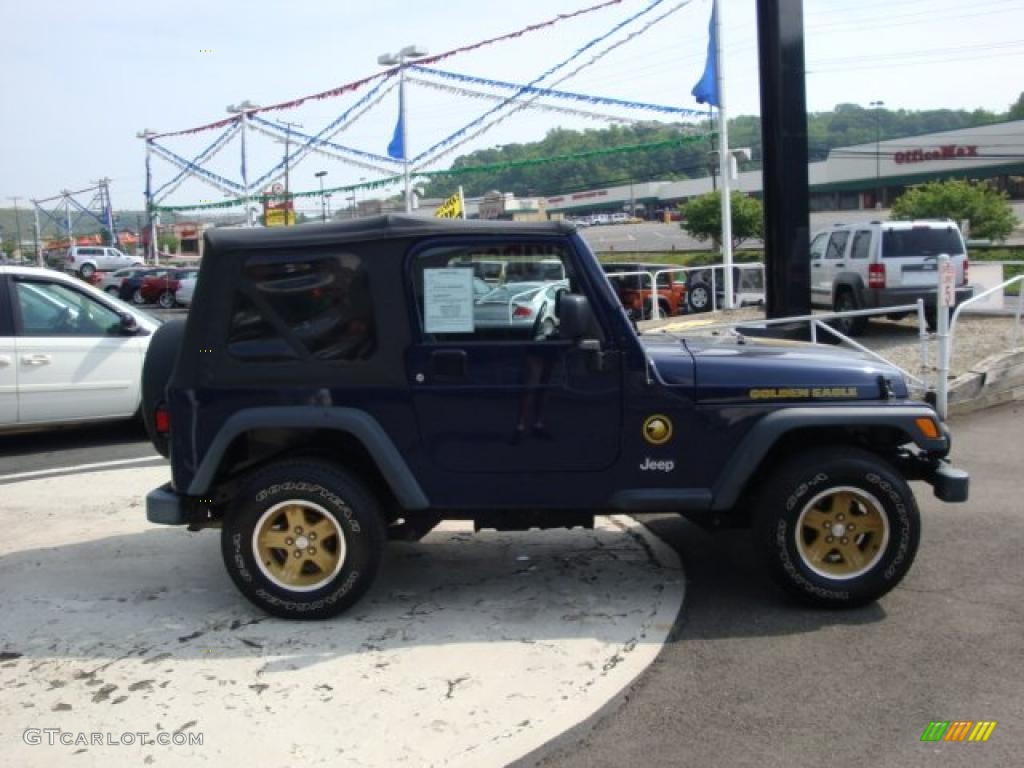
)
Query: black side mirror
[
  {"x": 575, "y": 317},
  {"x": 129, "y": 325}
]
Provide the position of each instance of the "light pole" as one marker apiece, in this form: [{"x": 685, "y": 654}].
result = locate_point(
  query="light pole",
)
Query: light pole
[
  {"x": 323, "y": 202},
  {"x": 242, "y": 110},
  {"x": 878, "y": 151},
  {"x": 399, "y": 59},
  {"x": 287, "y": 161},
  {"x": 327, "y": 200},
  {"x": 17, "y": 225}
]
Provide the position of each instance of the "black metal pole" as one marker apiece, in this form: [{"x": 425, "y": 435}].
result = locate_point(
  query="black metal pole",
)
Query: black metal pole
[{"x": 780, "y": 33}]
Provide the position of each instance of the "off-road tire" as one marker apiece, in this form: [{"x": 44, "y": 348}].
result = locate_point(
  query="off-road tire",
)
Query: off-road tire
[
  {"x": 698, "y": 297},
  {"x": 848, "y": 326},
  {"x": 350, "y": 507},
  {"x": 803, "y": 494}
]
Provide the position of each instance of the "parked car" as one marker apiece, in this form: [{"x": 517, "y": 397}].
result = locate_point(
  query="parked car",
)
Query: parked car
[
  {"x": 130, "y": 289},
  {"x": 68, "y": 352},
  {"x": 525, "y": 310},
  {"x": 186, "y": 287},
  {"x": 634, "y": 291},
  {"x": 160, "y": 289},
  {"x": 85, "y": 260},
  {"x": 884, "y": 264},
  {"x": 110, "y": 282}
]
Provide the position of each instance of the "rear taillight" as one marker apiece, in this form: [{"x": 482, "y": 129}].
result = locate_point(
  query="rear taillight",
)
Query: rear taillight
[
  {"x": 162, "y": 420},
  {"x": 876, "y": 275},
  {"x": 521, "y": 311},
  {"x": 967, "y": 264}
]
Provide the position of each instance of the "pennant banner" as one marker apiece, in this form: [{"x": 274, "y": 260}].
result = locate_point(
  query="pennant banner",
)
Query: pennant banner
[
  {"x": 542, "y": 107},
  {"x": 206, "y": 155},
  {"x": 466, "y": 129},
  {"x": 556, "y": 93},
  {"x": 464, "y": 171},
  {"x": 357, "y": 84}
]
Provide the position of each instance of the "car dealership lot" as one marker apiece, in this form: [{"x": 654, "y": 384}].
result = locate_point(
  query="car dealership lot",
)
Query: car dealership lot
[{"x": 472, "y": 649}]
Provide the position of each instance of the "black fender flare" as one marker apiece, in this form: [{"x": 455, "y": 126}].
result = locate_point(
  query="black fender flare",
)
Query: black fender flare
[
  {"x": 852, "y": 281},
  {"x": 755, "y": 446},
  {"x": 359, "y": 424}
]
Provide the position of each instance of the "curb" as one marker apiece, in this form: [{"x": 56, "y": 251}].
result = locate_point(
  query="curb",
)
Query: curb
[{"x": 993, "y": 381}]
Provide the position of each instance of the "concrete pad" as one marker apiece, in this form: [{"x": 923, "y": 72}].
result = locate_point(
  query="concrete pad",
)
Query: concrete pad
[{"x": 471, "y": 649}]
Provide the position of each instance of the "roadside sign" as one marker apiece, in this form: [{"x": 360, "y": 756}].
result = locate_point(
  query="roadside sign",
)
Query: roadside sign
[{"x": 947, "y": 283}]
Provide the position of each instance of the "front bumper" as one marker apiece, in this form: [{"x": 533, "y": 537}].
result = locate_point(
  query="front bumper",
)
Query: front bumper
[
  {"x": 165, "y": 506},
  {"x": 949, "y": 483}
]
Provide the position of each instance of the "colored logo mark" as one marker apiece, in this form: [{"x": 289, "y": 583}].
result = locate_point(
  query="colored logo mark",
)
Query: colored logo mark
[
  {"x": 657, "y": 430},
  {"x": 958, "y": 730}
]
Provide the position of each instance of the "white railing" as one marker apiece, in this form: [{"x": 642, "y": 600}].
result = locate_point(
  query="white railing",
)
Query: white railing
[{"x": 653, "y": 276}]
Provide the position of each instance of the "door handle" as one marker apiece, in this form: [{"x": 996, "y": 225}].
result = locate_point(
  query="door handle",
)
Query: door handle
[
  {"x": 840, "y": 264},
  {"x": 448, "y": 363},
  {"x": 36, "y": 359}
]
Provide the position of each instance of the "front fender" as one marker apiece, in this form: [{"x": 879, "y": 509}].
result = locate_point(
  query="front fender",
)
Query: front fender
[{"x": 755, "y": 446}]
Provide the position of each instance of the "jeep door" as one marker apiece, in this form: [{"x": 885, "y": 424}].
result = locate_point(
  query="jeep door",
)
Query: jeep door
[{"x": 509, "y": 397}]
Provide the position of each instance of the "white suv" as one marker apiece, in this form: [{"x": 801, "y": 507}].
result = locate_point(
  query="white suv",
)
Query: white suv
[
  {"x": 884, "y": 264},
  {"x": 87, "y": 259}
]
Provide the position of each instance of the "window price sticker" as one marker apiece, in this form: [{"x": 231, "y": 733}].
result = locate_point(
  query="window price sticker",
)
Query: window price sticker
[{"x": 448, "y": 300}]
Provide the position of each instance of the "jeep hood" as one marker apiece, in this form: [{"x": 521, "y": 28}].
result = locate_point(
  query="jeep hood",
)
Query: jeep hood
[{"x": 734, "y": 370}]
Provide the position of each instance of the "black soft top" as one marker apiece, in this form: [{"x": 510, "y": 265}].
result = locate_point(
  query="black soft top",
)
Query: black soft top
[{"x": 372, "y": 228}]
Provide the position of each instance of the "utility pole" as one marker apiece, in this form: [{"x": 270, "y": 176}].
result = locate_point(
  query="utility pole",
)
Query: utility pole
[
  {"x": 148, "y": 135},
  {"x": 38, "y": 234},
  {"x": 878, "y": 152},
  {"x": 17, "y": 223},
  {"x": 287, "y": 146},
  {"x": 323, "y": 203}
]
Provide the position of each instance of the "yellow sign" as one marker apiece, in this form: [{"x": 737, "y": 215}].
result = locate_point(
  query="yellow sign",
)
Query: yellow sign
[
  {"x": 450, "y": 208},
  {"x": 274, "y": 217},
  {"x": 657, "y": 429}
]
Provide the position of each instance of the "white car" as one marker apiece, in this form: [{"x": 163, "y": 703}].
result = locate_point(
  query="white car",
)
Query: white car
[
  {"x": 69, "y": 353},
  {"x": 84, "y": 260},
  {"x": 186, "y": 287}
]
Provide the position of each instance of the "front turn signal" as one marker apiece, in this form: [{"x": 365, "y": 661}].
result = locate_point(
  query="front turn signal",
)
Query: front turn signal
[{"x": 928, "y": 427}]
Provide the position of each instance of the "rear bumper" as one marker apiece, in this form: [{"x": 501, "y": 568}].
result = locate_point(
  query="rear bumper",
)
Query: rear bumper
[
  {"x": 165, "y": 506},
  {"x": 895, "y": 297}
]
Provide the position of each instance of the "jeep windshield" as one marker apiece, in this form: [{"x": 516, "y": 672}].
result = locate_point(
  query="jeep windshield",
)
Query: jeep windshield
[{"x": 921, "y": 241}]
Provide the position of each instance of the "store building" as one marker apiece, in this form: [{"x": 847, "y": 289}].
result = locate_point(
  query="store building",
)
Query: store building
[{"x": 859, "y": 177}]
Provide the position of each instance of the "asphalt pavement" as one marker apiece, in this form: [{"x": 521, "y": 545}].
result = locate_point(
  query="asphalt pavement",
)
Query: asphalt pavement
[{"x": 751, "y": 679}]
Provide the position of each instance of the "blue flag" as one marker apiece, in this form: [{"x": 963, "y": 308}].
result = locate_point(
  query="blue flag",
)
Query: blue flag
[
  {"x": 396, "y": 148},
  {"x": 706, "y": 89}
]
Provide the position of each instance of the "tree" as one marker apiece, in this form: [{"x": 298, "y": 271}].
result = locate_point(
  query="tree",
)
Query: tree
[
  {"x": 702, "y": 217},
  {"x": 985, "y": 207},
  {"x": 168, "y": 242},
  {"x": 1017, "y": 109}
]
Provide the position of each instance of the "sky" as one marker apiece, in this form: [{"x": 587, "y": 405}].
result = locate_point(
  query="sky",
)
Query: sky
[{"x": 82, "y": 79}]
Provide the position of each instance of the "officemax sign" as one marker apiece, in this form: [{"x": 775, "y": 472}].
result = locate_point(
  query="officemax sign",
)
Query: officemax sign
[{"x": 945, "y": 152}]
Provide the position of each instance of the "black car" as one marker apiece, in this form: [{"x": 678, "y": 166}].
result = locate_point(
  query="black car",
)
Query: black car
[{"x": 330, "y": 389}]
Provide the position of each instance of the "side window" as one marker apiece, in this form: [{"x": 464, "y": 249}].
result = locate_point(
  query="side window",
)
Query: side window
[
  {"x": 861, "y": 247},
  {"x": 837, "y": 245},
  {"x": 292, "y": 307},
  {"x": 52, "y": 309},
  {"x": 454, "y": 304},
  {"x": 818, "y": 246}
]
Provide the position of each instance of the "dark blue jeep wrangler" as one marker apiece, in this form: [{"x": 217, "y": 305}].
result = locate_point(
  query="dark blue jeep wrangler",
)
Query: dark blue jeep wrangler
[{"x": 338, "y": 384}]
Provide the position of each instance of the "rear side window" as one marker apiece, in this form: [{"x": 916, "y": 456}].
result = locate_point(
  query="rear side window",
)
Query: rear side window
[
  {"x": 921, "y": 241},
  {"x": 818, "y": 246},
  {"x": 861, "y": 247},
  {"x": 290, "y": 308}
]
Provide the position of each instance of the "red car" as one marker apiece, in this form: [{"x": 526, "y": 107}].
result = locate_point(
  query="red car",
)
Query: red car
[{"x": 159, "y": 289}]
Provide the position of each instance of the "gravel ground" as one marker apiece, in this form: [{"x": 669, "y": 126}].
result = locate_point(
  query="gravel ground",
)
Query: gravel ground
[{"x": 976, "y": 338}]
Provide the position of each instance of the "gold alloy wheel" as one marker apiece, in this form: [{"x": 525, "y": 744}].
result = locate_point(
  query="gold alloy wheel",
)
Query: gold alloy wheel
[
  {"x": 298, "y": 545},
  {"x": 842, "y": 533}
]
